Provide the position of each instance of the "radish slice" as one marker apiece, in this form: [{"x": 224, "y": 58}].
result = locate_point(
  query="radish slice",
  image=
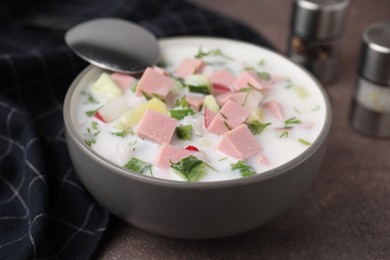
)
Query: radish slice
[
  {"x": 192, "y": 148},
  {"x": 219, "y": 89},
  {"x": 208, "y": 117},
  {"x": 114, "y": 109},
  {"x": 98, "y": 116}
]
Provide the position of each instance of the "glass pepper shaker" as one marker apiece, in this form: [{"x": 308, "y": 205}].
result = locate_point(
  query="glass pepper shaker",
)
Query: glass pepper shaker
[
  {"x": 315, "y": 35},
  {"x": 370, "y": 113}
]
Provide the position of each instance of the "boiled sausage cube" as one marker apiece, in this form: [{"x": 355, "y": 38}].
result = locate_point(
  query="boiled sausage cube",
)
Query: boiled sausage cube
[
  {"x": 249, "y": 79},
  {"x": 153, "y": 83},
  {"x": 123, "y": 80},
  {"x": 169, "y": 154},
  {"x": 234, "y": 113},
  {"x": 156, "y": 127},
  {"x": 219, "y": 125},
  {"x": 189, "y": 66},
  {"x": 239, "y": 143}
]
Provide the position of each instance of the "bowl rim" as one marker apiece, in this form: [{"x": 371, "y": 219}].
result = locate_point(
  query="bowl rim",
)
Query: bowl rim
[{"x": 116, "y": 169}]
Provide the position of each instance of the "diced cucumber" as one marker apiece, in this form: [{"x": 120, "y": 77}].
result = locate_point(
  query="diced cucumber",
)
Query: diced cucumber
[
  {"x": 301, "y": 92},
  {"x": 198, "y": 84},
  {"x": 210, "y": 102},
  {"x": 138, "y": 166},
  {"x": 133, "y": 116},
  {"x": 256, "y": 115},
  {"x": 106, "y": 86}
]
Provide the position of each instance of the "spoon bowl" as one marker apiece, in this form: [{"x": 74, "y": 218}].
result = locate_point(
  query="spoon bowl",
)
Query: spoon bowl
[{"x": 114, "y": 44}]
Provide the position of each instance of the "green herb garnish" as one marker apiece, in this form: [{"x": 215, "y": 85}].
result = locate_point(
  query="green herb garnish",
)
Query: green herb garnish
[
  {"x": 94, "y": 125},
  {"x": 264, "y": 75},
  {"x": 261, "y": 62},
  {"x": 134, "y": 85},
  {"x": 212, "y": 52},
  {"x": 284, "y": 134},
  {"x": 149, "y": 97},
  {"x": 181, "y": 103},
  {"x": 91, "y": 99},
  {"x": 91, "y": 135},
  {"x": 119, "y": 133},
  {"x": 247, "y": 90},
  {"x": 256, "y": 127},
  {"x": 290, "y": 84},
  {"x": 138, "y": 166},
  {"x": 91, "y": 113},
  {"x": 178, "y": 83},
  {"x": 245, "y": 169},
  {"x": 181, "y": 109},
  {"x": 190, "y": 168},
  {"x": 304, "y": 142},
  {"x": 291, "y": 121},
  {"x": 184, "y": 132}
]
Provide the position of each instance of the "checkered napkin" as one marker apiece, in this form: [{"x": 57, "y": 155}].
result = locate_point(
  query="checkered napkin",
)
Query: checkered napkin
[{"x": 45, "y": 212}]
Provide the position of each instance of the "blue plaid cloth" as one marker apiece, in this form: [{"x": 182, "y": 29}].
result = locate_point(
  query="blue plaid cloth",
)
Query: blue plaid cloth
[{"x": 45, "y": 212}]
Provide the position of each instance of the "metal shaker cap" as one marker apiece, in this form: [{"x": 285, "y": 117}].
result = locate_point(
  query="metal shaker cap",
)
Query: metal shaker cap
[
  {"x": 321, "y": 19},
  {"x": 375, "y": 53}
]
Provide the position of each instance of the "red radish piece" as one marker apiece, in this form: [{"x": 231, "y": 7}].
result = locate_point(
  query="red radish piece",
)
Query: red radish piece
[
  {"x": 208, "y": 117},
  {"x": 189, "y": 66},
  {"x": 192, "y": 148},
  {"x": 114, "y": 109},
  {"x": 98, "y": 116},
  {"x": 223, "y": 78},
  {"x": 219, "y": 89}
]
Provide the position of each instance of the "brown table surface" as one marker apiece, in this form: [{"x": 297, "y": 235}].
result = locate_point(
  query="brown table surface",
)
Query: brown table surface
[{"x": 346, "y": 212}]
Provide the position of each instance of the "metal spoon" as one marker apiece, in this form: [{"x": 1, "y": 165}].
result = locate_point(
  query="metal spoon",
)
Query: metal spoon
[{"x": 114, "y": 44}]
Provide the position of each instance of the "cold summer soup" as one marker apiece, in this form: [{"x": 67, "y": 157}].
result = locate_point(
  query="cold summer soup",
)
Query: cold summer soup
[{"x": 205, "y": 113}]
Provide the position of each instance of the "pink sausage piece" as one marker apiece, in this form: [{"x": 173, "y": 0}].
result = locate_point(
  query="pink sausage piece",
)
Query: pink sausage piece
[
  {"x": 123, "y": 80},
  {"x": 222, "y": 82},
  {"x": 239, "y": 143},
  {"x": 219, "y": 125},
  {"x": 234, "y": 113},
  {"x": 154, "y": 83},
  {"x": 169, "y": 154},
  {"x": 189, "y": 66},
  {"x": 276, "y": 109},
  {"x": 195, "y": 102},
  {"x": 156, "y": 127},
  {"x": 247, "y": 79},
  {"x": 248, "y": 100},
  {"x": 159, "y": 70}
]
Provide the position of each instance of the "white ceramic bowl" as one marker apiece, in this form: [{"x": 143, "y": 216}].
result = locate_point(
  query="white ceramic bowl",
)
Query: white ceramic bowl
[{"x": 205, "y": 209}]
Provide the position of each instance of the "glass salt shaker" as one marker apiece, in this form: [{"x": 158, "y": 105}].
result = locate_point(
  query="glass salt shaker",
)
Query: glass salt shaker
[
  {"x": 370, "y": 112},
  {"x": 315, "y": 35}
]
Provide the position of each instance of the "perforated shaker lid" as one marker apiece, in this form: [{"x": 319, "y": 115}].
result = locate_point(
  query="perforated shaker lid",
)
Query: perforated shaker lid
[
  {"x": 375, "y": 53},
  {"x": 321, "y": 19}
]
